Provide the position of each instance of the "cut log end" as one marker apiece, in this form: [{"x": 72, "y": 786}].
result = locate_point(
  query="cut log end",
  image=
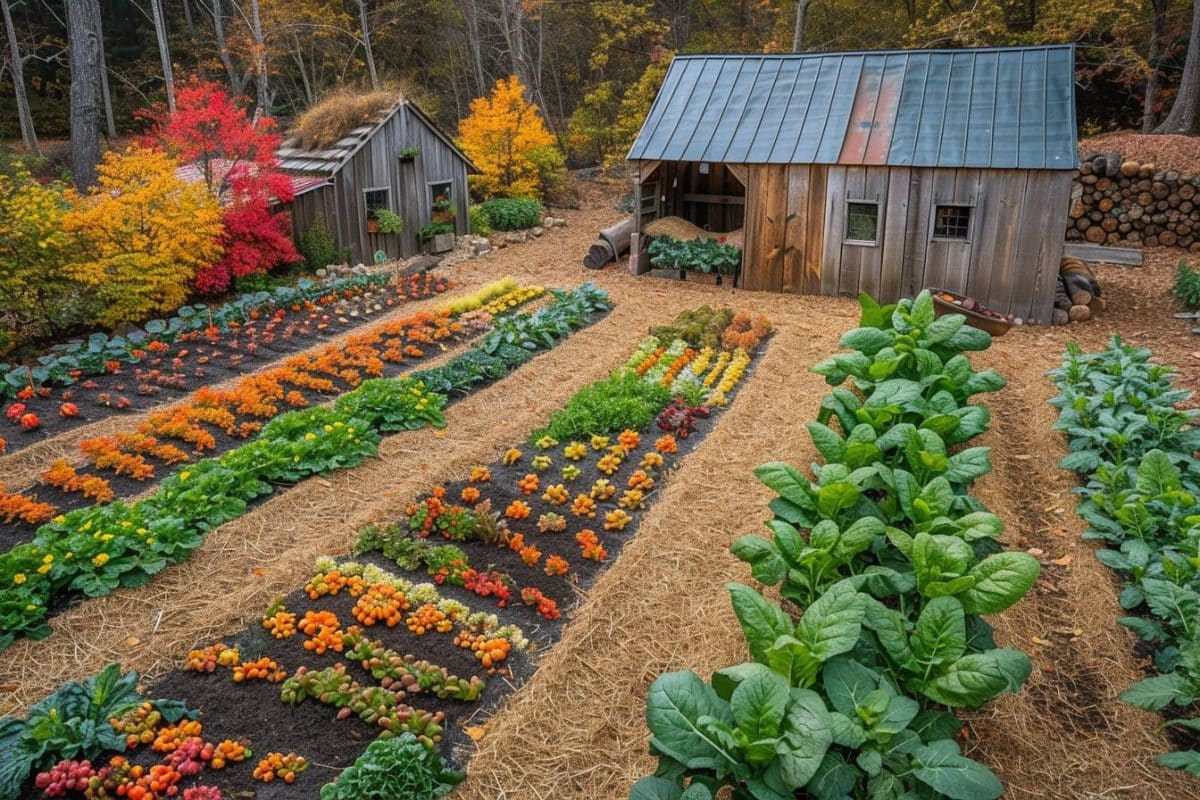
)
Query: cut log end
[{"x": 1079, "y": 314}]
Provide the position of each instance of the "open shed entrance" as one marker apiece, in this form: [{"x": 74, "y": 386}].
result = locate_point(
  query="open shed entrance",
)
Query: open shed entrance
[{"x": 689, "y": 199}]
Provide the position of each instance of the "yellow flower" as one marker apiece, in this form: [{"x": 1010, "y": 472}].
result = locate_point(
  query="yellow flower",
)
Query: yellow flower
[
  {"x": 46, "y": 559},
  {"x": 19, "y": 578},
  {"x": 31, "y": 607},
  {"x": 60, "y": 519},
  {"x": 329, "y": 429},
  {"x": 183, "y": 476},
  {"x": 44, "y": 568},
  {"x": 125, "y": 523},
  {"x": 142, "y": 531},
  {"x": 108, "y": 537},
  {"x": 308, "y": 437},
  {"x": 100, "y": 560}
]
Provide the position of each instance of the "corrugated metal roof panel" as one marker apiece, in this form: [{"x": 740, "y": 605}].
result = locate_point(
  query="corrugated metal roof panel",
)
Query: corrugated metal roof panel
[{"x": 990, "y": 107}]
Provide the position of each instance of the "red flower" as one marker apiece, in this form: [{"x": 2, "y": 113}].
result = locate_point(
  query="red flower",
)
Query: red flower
[
  {"x": 30, "y": 422},
  {"x": 15, "y": 411}
]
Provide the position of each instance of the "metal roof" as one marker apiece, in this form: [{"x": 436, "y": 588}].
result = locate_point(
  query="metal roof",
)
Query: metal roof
[{"x": 1005, "y": 107}]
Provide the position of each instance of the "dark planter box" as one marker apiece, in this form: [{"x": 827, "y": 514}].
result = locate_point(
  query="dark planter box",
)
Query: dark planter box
[
  {"x": 673, "y": 274},
  {"x": 709, "y": 278}
]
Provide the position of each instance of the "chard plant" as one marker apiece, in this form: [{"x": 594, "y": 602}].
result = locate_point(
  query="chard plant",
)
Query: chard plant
[
  {"x": 1132, "y": 438},
  {"x": 888, "y": 564}
]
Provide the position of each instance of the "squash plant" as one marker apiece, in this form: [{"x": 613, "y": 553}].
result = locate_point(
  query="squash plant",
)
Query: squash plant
[
  {"x": 1131, "y": 438},
  {"x": 892, "y": 564}
]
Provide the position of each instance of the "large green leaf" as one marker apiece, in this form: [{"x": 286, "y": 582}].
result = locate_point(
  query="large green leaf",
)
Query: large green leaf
[
  {"x": 866, "y": 340},
  {"x": 1185, "y": 760},
  {"x": 968, "y": 465},
  {"x": 1001, "y": 579},
  {"x": 766, "y": 565},
  {"x": 846, "y": 682},
  {"x": 1156, "y": 475},
  {"x": 940, "y": 636},
  {"x": 762, "y": 622},
  {"x": 759, "y": 702},
  {"x": 806, "y": 738},
  {"x": 832, "y": 625},
  {"x": 969, "y": 682},
  {"x": 674, "y": 706},
  {"x": 1158, "y": 692},
  {"x": 957, "y": 777},
  {"x": 785, "y": 480},
  {"x": 828, "y": 443}
]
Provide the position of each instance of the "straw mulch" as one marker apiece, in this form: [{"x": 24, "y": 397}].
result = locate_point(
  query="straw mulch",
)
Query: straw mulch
[
  {"x": 575, "y": 730},
  {"x": 338, "y": 114},
  {"x": 680, "y": 228}
]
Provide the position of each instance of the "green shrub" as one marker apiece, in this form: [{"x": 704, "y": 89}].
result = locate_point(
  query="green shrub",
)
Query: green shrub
[
  {"x": 512, "y": 213},
  {"x": 319, "y": 247},
  {"x": 389, "y": 222},
  {"x": 610, "y": 406},
  {"x": 699, "y": 327},
  {"x": 390, "y": 769},
  {"x": 1187, "y": 286},
  {"x": 481, "y": 223}
]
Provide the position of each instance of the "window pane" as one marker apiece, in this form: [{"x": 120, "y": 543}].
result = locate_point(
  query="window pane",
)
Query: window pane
[
  {"x": 375, "y": 200},
  {"x": 862, "y": 221},
  {"x": 952, "y": 222}
]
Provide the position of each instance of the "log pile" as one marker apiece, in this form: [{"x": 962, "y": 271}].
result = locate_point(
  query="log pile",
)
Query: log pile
[
  {"x": 1122, "y": 202},
  {"x": 1077, "y": 295},
  {"x": 611, "y": 244}
]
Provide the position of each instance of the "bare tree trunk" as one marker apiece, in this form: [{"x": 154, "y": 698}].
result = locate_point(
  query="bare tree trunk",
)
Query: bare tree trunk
[
  {"x": 164, "y": 52},
  {"x": 1182, "y": 118},
  {"x": 84, "y": 43},
  {"x": 512, "y": 26},
  {"x": 298, "y": 56},
  {"x": 366, "y": 38},
  {"x": 798, "y": 31},
  {"x": 223, "y": 47},
  {"x": 104, "y": 91},
  {"x": 470, "y": 10},
  {"x": 187, "y": 18},
  {"x": 262, "y": 95},
  {"x": 1152, "y": 57},
  {"x": 28, "y": 135}
]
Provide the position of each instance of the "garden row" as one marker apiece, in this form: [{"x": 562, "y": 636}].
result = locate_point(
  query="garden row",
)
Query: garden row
[
  {"x": 304, "y": 305},
  {"x": 1134, "y": 443},
  {"x": 94, "y": 550},
  {"x": 426, "y": 632},
  {"x": 885, "y": 564},
  {"x": 211, "y": 421}
]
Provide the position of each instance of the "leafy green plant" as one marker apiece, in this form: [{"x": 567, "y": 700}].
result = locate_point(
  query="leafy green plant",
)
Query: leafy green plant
[
  {"x": 319, "y": 248},
  {"x": 695, "y": 255},
  {"x": 408, "y": 153},
  {"x": 481, "y": 221},
  {"x": 512, "y": 213},
  {"x": 609, "y": 406},
  {"x": 1132, "y": 438},
  {"x": 389, "y": 222},
  {"x": 699, "y": 327},
  {"x": 432, "y": 229},
  {"x": 892, "y": 564},
  {"x": 1187, "y": 285},
  {"x": 399, "y": 767},
  {"x": 71, "y": 723}
]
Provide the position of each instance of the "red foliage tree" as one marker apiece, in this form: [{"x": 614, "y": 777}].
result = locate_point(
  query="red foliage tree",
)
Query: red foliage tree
[{"x": 235, "y": 157}]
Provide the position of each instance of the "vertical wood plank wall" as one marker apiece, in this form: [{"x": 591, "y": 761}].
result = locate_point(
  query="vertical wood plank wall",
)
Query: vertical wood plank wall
[
  {"x": 343, "y": 204},
  {"x": 796, "y": 224}
]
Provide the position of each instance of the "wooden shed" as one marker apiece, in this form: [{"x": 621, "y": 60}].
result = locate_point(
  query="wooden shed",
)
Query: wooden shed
[
  {"x": 373, "y": 166},
  {"x": 879, "y": 172}
]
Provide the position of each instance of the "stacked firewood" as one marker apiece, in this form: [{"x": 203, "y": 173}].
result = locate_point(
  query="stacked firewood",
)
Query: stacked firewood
[
  {"x": 1077, "y": 295},
  {"x": 1123, "y": 202}
]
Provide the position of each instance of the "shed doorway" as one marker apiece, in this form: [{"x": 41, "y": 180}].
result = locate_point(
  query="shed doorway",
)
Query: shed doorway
[{"x": 688, "y": 199}]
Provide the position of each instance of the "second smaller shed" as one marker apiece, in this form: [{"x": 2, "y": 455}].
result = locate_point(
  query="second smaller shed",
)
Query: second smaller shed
[{"x": 878, "y": 172}]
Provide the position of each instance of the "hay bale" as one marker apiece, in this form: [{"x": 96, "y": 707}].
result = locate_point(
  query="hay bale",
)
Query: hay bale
[
  {"x": 679, "y": 228},
  {"x": 338, "y": 114}
]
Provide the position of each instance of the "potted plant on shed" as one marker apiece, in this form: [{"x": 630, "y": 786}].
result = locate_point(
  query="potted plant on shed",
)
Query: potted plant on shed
[
  {"x": 388, "y": 222},
  {"x": 438, "y": 236},
  {"x": 408, "y": 153}
]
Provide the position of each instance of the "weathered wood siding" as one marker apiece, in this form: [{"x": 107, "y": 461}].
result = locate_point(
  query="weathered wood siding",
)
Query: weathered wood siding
[
  {"x": 796, "y": 233},
  {"x": 375, "y": 166}
]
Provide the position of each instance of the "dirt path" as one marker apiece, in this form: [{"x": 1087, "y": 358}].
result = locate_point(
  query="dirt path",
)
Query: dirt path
[{"x": 576, "y": 729}]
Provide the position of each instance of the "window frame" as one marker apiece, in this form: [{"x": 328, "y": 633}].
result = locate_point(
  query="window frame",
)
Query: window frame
[
  {"x": 970, "y": 228},
  {"x": 846, "y": 239},
  {"x": 387, "y": 199},
  {"x": 449, "y": 183}
]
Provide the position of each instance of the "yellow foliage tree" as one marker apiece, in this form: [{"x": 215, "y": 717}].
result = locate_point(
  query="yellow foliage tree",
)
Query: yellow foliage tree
[
  {"x": 33, "y": 246},
  {"x": 143, "y": 233},
  {"x": 508, "y": 140}
]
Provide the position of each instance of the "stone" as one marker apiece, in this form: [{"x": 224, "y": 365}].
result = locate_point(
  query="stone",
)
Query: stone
[
  {"x": 548, "y": 222},
  {"x": 536, "y": 231},
  {"x": 321, "y": 272},
  {"x": 515, "y": 237}
]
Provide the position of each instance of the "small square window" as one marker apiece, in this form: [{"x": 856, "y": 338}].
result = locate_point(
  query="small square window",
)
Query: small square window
[
  {"x": 952, "y": 222},
  {"x": 375, "y": 200},
  {"x": 862, "y": 222}
]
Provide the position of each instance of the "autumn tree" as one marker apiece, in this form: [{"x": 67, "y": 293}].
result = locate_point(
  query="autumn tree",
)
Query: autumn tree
[
  {"x": 236, "y": 159},
  {"x": 142, "y": 233},
  {"x": 507, "y": 139},
  {"x": 33, "y": 247}
]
